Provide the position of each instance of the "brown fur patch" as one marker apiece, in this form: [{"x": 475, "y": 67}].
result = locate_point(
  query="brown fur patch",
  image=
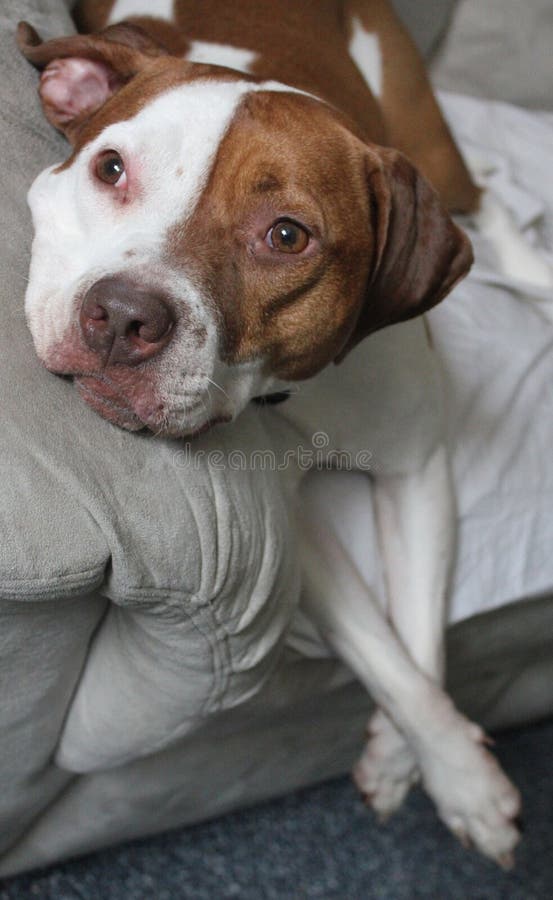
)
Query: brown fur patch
[{"x": 269, "y": 166}]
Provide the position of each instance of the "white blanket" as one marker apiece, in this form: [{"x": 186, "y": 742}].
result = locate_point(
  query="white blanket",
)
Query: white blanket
[{"x": 497, "y": 351}]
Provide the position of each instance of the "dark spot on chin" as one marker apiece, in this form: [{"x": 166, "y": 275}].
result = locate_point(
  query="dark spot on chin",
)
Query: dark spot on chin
[
  {"x": 130, "y": 253},
  {"x": 199, "y": 332}
]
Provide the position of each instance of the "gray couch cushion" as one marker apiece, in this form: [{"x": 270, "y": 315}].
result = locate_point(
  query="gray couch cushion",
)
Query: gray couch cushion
[
  {"x": 195, "y": 554},
  {"x": 50, "y": 545}
]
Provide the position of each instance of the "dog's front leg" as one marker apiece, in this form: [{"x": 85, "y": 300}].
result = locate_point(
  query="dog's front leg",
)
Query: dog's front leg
[
  {"x": 472, "y": 794},
  {"x": 415, "y": 516}
]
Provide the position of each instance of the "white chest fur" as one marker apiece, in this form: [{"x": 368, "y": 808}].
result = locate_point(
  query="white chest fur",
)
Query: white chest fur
[{"x": 384, "y": 399}]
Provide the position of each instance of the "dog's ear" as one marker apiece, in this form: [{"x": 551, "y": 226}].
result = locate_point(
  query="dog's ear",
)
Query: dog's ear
[
  {"x": 419, "y": 254},
  {"x": 82, "y": 71}
]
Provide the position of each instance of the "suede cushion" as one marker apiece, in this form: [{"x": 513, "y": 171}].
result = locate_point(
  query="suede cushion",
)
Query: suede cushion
[{"x": 197, "y": 555}]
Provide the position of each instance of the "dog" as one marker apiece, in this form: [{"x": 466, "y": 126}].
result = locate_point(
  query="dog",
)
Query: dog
[{"x": 235, "y": 217}]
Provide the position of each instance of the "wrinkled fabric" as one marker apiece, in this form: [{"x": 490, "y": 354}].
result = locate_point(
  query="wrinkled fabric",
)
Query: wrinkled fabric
[{"x": 496, "y": 346}]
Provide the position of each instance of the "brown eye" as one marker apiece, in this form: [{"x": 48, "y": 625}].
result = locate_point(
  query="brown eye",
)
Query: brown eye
[
  {"x": 288, "y": 237},
  {"x": 109, "y": 167}
]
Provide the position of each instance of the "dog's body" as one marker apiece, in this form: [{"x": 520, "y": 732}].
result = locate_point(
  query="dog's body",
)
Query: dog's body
[{"x": 227, "y": 234}]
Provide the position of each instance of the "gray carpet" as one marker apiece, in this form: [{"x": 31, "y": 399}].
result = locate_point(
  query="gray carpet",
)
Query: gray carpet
[{"x": 322, "y": 843}]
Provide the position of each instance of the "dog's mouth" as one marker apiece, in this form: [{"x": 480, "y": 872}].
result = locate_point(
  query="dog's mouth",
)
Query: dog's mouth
[{"x": 104, "y": 399}]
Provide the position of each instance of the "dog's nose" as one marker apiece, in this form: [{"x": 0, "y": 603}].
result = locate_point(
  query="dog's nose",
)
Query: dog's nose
[{"x": 125, "y": 323}]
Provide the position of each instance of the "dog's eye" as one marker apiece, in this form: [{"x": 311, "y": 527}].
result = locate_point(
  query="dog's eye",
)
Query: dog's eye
[
  {"x": 109, "y": 166},
  {"x": 287, "y": 236}
]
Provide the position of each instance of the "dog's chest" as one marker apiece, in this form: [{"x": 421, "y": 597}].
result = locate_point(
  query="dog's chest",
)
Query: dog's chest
[{"x": 381, "y": 408}]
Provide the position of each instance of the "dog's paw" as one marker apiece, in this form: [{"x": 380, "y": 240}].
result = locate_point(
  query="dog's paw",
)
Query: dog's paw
[
  {"x": 386, "y": 769},
  {"x": 473, "y": 795}
]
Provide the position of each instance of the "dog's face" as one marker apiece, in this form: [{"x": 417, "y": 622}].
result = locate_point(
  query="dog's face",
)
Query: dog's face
[{"x": 212, "y": 237}]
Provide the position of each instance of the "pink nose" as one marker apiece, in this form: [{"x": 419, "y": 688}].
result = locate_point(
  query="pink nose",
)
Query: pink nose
[{"x": 124, "y": 323}]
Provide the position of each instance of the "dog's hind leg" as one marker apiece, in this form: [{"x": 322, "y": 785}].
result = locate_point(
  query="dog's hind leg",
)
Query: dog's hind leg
[{"x": 395, "y": 72}]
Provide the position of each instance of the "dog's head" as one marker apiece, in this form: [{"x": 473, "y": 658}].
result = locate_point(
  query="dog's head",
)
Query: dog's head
[{"x": 212, "y": 236}]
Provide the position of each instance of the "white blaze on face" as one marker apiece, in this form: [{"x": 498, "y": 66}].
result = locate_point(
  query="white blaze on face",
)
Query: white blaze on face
[
  {"x": 123, "y": 9},
  {"x": 364, "y": 49},
  {"x": 83, "y": 232},
  {"x": 237, "y": 58}
]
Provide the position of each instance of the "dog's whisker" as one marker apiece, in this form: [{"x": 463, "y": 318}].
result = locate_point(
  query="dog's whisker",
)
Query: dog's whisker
[
  {"x": 214, "y": 383},
  {"x": 24, "y": 278}
]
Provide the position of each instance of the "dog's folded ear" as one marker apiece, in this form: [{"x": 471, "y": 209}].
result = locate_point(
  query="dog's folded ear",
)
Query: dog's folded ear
[
  {"x": 82, "y": 71},
  {"x": 419, "y": 254}
]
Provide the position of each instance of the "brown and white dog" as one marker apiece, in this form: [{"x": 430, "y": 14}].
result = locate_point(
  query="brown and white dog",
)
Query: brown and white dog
[{"x": 231, "y": 221}]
